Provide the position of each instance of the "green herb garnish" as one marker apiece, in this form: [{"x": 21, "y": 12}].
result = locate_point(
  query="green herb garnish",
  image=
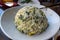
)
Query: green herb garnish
[
  {"x": 21, "y": 17},
  {"x": 27, "y": 12}
]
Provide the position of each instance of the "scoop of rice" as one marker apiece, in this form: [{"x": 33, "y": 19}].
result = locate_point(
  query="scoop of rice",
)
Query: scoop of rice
[{"x": 31, "y": 20}]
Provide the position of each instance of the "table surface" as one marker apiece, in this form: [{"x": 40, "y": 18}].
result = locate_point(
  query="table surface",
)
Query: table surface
[{"x": 3, "y": 37}]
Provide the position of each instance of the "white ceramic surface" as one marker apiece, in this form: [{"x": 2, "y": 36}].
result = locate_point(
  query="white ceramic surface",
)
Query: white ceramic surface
[{"x": 9, "y": 29}]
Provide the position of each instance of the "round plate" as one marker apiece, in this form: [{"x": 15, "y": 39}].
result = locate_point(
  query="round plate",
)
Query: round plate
[{"x": 9, "y": 29}]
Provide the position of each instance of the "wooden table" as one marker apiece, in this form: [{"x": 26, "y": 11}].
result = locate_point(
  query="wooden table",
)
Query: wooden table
[{"x": 56, "y": 9}]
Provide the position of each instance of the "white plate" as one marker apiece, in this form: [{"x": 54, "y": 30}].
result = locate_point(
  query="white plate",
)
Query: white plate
[{"x": 9, "y": 29}]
